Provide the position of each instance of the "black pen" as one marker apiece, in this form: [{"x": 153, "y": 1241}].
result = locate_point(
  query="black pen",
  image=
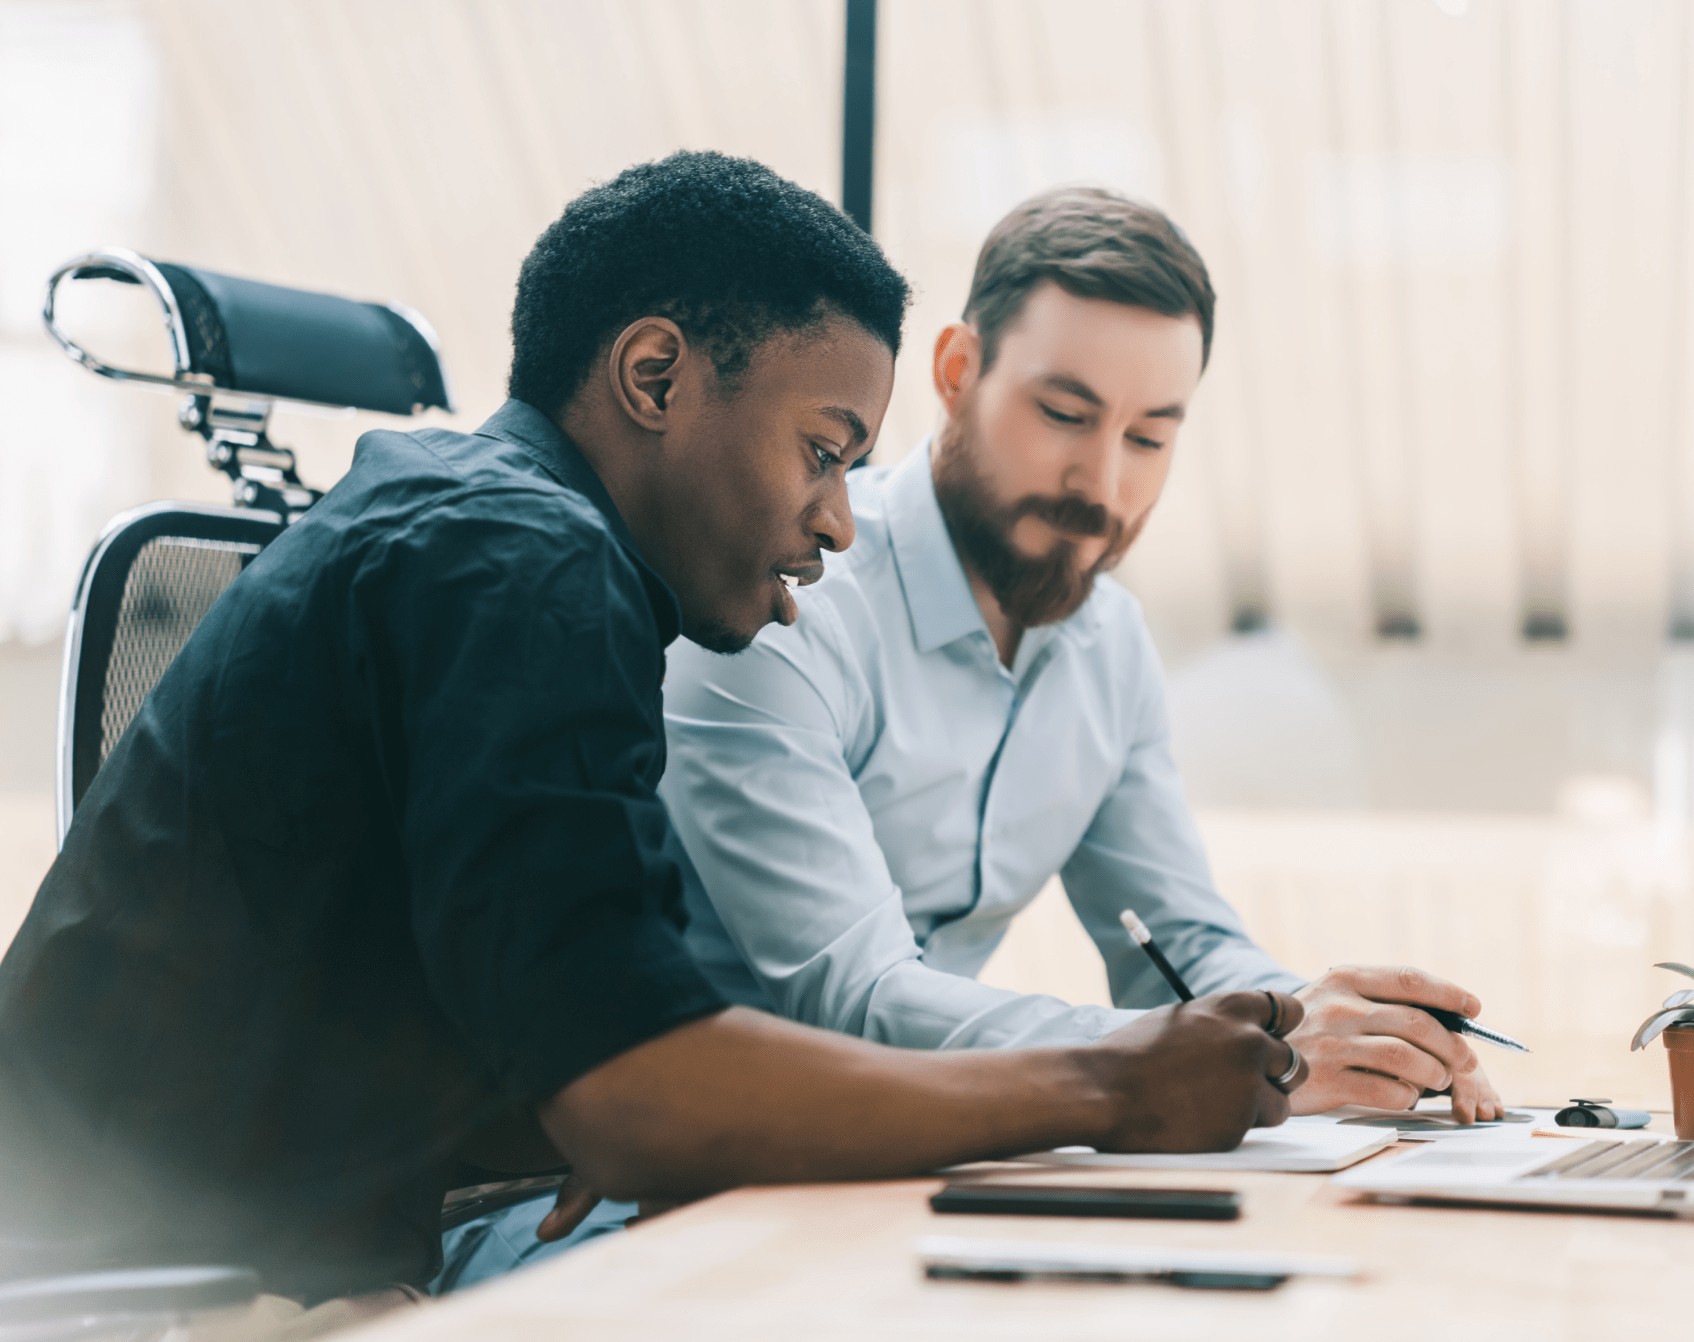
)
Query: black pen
[
  {"x": 1143, "y": 938},
  {"x": 1464, "y": 1025},
  {"x": 1452, "y": 1020}
]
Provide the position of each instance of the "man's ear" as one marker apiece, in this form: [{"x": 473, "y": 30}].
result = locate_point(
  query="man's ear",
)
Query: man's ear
[
  {"x": 958, "y": 358},
  {"x": 644, "y": 365}
]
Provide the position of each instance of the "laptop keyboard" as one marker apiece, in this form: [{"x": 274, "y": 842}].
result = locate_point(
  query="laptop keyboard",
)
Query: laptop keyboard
[{"x": 1624, "y": 1160}]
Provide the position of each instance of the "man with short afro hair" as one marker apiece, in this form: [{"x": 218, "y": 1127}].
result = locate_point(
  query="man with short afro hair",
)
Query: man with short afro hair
[
  {"x": 376, "y": 896},
  {"x": 722, "y": 246}
]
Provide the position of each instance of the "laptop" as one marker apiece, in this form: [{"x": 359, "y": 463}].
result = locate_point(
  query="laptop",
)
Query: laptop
[{"x": 1637, "y": 1176}]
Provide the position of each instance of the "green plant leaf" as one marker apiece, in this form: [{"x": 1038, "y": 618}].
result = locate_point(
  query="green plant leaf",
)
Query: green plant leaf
[{"x": 1655, "y": 1024}]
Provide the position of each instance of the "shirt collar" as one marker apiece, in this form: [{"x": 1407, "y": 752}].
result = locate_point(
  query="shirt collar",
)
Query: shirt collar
[
  {"x": 521, "y": 424},
  {"x": 938, "y": 594},
  {"x": 546, "y": 444}
]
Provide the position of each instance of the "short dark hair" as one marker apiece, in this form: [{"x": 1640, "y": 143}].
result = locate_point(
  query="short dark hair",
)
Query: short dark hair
[
  {"x": 1094, "y": 244},
  {"x": 722, "y": 246}
]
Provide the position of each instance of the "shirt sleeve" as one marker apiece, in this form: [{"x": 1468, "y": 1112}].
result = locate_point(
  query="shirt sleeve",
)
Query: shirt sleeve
[
  {"x": 512, "y": 659},
  {"x": 765, "y": 800},
  {"x": 1142, "y": 851}
]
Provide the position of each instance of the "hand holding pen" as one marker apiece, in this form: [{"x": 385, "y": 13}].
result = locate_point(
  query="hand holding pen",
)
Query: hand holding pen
[
  {"x": 1289, "y": 1078},
  {"x": 1379, "y": 1036},
  {"x": 1373, "y": 1040}
]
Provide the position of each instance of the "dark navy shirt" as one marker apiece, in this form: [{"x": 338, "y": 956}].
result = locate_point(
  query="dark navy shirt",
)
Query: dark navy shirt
[{"x": 380, "y": 857}]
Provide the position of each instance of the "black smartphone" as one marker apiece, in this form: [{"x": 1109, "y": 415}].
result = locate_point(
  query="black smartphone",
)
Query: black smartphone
[{"x": 999, "y": 1199}]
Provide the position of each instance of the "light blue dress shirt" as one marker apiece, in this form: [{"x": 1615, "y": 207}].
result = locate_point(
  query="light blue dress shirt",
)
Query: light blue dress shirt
[{"x": 869, "y": 797}]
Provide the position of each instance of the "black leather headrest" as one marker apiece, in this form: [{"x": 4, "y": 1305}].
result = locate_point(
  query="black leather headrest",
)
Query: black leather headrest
[
  {"x": 288, "y": 343},
  {"x": 269, "y": 341}
]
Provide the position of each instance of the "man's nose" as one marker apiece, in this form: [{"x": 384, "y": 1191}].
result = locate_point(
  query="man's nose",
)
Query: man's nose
[
  {"x": 832, "y": 523},
  {"x": 1096, "y": 470}
]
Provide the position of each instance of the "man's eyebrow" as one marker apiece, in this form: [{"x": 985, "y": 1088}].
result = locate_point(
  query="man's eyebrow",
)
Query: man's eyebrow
[
  {"x": 1082, "y": 391},
  {"x": 849, "y": 421},
  {"x": 1065, "y": 383}
]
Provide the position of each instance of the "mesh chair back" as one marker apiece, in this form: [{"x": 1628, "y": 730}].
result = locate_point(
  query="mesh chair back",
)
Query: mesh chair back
[{"x": 154, "y": 574}]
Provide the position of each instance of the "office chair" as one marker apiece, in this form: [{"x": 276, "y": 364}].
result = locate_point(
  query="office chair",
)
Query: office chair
[{"x": 238, "y": 347}]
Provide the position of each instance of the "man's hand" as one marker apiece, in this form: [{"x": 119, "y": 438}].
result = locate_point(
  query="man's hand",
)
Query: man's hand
[
  {"x": 1474, "y": 1098},
  {"x": 1369, "y": 1044},
  {"x": 1195, "y": 1077},
  {"x": 576, "y": 1199},
  {"x": 742, "y": 1097}
]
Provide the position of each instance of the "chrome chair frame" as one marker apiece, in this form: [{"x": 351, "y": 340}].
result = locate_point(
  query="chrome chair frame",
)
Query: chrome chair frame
[{"x": 122, "y": 1305}]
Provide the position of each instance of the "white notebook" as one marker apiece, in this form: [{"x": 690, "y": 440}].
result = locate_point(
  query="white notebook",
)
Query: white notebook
[{"x": 1315, "y": 1148}]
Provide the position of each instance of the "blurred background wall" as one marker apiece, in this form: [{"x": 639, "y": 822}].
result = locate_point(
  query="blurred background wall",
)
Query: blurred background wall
[{"x": 1425, "y": 567}]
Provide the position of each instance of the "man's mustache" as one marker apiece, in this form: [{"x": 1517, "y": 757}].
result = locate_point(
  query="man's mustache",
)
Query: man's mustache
[{"x": 1069, "y": 514}]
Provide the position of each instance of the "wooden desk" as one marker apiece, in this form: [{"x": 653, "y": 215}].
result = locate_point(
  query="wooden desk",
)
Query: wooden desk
[{"x": 821, "y": 1264}]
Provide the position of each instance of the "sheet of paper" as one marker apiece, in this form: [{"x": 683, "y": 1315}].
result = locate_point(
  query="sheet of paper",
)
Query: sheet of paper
[{"x": 1314, "y": 1148}]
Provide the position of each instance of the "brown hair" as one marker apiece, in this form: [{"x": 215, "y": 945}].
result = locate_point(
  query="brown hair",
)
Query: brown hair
[{"x": 1093, "y": 244}]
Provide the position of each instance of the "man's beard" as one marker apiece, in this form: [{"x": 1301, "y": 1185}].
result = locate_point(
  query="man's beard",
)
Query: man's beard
[{"x": 1030, "y": 591}]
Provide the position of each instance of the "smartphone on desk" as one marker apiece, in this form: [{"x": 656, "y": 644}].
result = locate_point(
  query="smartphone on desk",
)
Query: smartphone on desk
[{"x": 1007, "y": 1199}]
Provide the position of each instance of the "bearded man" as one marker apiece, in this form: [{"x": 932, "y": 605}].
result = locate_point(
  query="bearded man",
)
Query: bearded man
[{"x": 963, "y": 708}]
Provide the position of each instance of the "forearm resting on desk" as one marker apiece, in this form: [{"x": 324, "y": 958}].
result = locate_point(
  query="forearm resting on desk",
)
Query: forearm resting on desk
[{"x": 741, "y": 1097}]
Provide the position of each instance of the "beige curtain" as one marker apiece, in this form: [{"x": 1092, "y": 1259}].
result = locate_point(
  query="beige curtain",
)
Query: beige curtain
[{"x": 1450, "y": 384}]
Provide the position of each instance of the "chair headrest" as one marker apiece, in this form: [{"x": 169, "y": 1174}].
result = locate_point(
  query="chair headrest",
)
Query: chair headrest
[{"x": 263, "y": 340}]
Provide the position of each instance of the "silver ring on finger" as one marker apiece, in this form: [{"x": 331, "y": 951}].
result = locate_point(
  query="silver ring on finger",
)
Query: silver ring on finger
[
  {"x": 1276, "y": 1013},
  {"x": 1281, "y": 1082}
]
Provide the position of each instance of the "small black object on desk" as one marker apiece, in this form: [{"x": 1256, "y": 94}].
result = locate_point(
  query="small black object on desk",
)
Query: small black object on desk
[
  {"x": 1020, "y": 1199},
  {"x": 1194, "y": 1281},
  {"x": 1594, "y": 1114}
]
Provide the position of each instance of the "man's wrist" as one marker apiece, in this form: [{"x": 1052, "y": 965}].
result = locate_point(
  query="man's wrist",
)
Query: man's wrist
[
  {"x": 1088, "y": 1094},
  {"x": 1036, "y": 1098}
]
